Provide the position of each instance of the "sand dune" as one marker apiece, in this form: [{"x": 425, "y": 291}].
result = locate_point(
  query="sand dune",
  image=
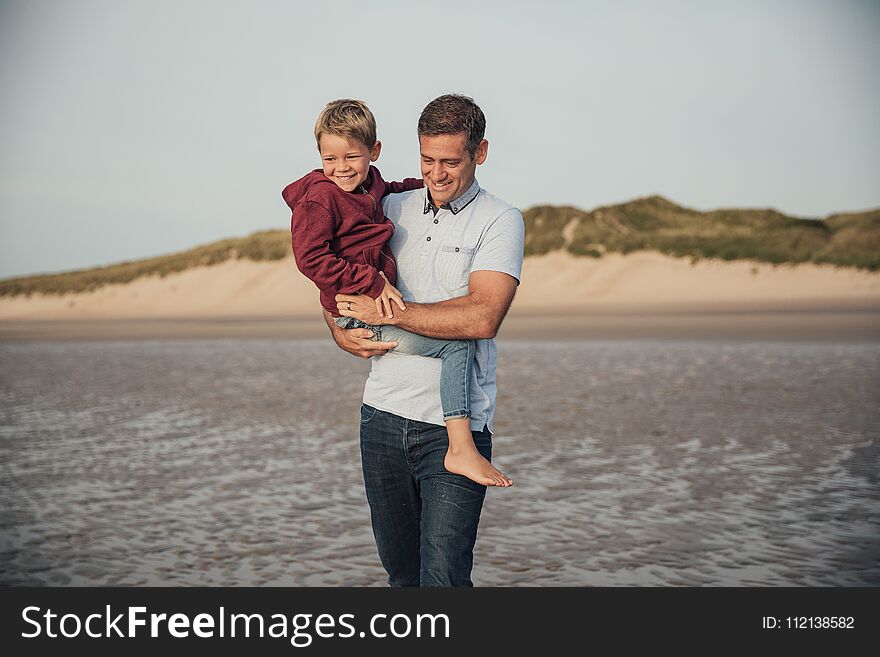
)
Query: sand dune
[
  {"x": 557, "y": 282},
  {"x": 654, "y": 282}
]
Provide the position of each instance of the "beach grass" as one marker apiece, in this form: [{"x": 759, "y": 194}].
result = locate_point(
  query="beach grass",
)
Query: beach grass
[
  {"x": 262, "y": 245},
  {"x": 657, "y": 224}
]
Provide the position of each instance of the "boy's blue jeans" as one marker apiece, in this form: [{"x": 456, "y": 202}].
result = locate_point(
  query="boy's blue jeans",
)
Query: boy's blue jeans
[
  {"x": 424, "y": 517},
  {"x": 455, "y": 370}
]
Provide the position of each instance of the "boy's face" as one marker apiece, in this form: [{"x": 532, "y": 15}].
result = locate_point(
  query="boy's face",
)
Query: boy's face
[
  {"x": 346, "y": 162},
  {"x": 447, "y": 167}
]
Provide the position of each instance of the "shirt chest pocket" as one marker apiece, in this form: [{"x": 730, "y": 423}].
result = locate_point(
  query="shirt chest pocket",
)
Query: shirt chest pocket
[{"x": 453, "y": 265}]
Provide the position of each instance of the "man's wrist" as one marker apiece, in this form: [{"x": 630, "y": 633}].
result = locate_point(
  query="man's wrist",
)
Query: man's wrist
[
  {"x": 335, "y": 329},
  {"x": 400, "y": 316}
]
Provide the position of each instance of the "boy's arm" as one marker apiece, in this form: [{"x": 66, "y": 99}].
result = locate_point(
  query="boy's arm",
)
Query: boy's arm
[
  {"x": 312, "y": 230},
  {"x": 405, "y": 185}
]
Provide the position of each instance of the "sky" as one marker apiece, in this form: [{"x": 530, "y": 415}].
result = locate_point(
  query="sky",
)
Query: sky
[{"x": 134, "y": 129}]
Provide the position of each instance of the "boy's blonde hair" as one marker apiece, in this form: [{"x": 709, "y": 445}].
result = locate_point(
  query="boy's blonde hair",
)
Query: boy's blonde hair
[{"x": 347, "y": 118}]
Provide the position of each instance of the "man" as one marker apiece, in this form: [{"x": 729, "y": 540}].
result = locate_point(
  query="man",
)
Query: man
[{"x": 459, "y": 252}]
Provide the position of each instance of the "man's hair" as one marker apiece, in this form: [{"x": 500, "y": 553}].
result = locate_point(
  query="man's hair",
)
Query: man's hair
[
  {"x": 453, "y": 114},
  {"x": 347, "y": 118}
]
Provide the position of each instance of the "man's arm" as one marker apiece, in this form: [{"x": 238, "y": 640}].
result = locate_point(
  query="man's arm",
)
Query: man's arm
[
  {"x": 476, "y": 315},
  {"x": 495, "y": 272},
  {"x": 357, "y": 341}
]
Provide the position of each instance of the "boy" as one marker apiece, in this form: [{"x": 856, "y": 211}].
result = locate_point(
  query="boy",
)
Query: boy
[{"x": 339, "y": 237}]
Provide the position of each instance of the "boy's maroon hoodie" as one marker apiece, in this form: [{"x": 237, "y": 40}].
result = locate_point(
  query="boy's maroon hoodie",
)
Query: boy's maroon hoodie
[{"x": 339, "y": 238}]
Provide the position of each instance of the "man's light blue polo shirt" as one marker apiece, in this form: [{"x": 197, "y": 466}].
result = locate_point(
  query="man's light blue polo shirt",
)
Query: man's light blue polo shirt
[{"x": 436, "y": 254}]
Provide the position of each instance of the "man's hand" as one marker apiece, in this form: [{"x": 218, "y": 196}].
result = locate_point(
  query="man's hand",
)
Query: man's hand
[
  {"x": 361, "y": 307},
  {"x": 357, "y": 341}
]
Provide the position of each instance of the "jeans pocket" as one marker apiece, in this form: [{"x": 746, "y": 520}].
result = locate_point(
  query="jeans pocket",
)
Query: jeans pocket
[{"x": 368, "y": 413}]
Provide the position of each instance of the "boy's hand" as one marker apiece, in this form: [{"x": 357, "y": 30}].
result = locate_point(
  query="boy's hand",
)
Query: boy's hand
[{"x": 389, "y": 294}]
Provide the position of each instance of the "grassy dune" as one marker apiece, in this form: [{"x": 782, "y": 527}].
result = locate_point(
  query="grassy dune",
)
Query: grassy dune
[
  {"x": 264, "y": 245},
  {"x": 652, "y": 223}
]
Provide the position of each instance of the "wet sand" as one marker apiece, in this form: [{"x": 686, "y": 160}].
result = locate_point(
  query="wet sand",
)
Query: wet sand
[
  {"x": 235, "y": 462},
  {"x": 828, "y": 321}
]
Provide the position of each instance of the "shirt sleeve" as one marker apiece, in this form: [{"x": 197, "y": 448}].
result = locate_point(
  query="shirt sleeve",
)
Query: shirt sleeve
[
  {"x": 405, "y": 185},
  {"x": 312, "y": 231},
  {"x": 501, "y": 245}
]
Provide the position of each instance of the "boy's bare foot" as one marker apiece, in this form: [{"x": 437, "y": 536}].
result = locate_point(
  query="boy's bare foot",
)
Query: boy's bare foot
[{"x": 471, "y": 464}]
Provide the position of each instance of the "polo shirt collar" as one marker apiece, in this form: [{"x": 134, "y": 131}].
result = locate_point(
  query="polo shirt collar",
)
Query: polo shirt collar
[{"x": 457, "y": 205}]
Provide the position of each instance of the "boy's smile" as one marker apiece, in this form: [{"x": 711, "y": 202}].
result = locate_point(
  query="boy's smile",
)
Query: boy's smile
[{"x": 346, "y": 162}]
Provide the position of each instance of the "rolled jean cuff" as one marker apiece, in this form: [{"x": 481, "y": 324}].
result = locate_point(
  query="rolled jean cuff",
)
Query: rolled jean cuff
[{"x": 455, "y": 415}]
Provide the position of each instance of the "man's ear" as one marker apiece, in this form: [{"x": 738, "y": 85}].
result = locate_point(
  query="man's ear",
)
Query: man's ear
[
  {"x": 482, "y": 152},
  {"x": 375, "y": 150}
]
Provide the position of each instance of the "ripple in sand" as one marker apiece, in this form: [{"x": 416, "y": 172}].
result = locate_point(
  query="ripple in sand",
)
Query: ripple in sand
[{"x": 236, "y": 463}]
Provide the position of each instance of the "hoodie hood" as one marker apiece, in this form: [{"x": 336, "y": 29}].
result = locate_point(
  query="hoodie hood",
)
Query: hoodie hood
[{"x": 297, "y": 190}]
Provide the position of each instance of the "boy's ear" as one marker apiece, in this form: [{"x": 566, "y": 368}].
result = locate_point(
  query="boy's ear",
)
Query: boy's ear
[{"x": 375, "y": 150}]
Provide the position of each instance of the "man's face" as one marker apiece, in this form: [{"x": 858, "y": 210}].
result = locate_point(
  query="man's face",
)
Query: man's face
[
  {"x": 447, "y": 167},
  {"x": 346, "y": 162}
]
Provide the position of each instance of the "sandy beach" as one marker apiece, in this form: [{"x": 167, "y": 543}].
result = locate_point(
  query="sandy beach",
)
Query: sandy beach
[
  {"x": 561, "y": 297},
  {"x": 236, "y": 463},
  {"x": 710, "y": 424}
]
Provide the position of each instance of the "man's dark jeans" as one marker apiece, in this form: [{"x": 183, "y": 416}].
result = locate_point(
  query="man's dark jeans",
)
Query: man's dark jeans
[{"x": 424, "y": 517}]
